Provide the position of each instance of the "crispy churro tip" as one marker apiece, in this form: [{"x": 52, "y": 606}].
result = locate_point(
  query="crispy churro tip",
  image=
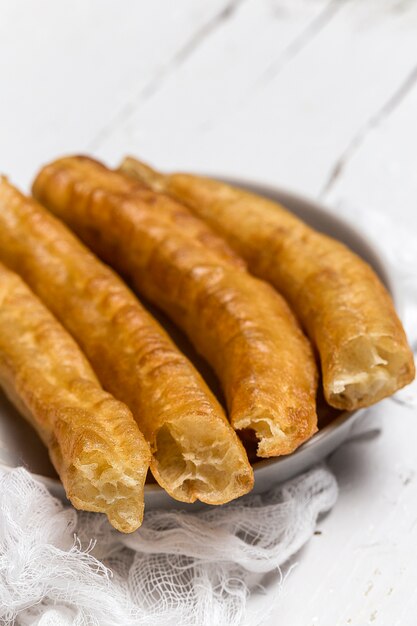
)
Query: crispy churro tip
[{"x": 210, "y": 466}]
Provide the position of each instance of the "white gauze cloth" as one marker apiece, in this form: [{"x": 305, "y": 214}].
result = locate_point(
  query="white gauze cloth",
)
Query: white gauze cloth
[{"x": 60, "y": 567}]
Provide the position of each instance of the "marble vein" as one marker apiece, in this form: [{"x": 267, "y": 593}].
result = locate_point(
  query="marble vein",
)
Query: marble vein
[
  {"x": 301, "y": 41},
  {"x": 374, "y": 121},
  {"x": 156, "y": 82}
]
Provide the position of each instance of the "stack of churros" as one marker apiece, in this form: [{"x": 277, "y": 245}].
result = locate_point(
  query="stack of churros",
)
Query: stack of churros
[
  {"x": 106, "y": 387},
  {"x": 341, "y": 303}
]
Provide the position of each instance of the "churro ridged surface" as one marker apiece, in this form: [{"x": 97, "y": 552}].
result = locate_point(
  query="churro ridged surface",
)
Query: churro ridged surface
[
  {"x": 93, "y": 440},
  {"x": 238, "y": 323},
  {"x": 339, "y": 299},
  {"x": 196, "y": 453}
]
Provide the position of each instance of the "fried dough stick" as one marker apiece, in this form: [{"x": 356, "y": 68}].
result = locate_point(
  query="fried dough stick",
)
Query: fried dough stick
[
  {"x": 196, "y": 453},
  {"x": 93, "y": 440},
  {"x": 340, "y": 301},
  {"x": 239, "y": 324}
]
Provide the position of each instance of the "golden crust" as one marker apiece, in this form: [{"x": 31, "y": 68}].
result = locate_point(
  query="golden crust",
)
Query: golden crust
[
  {"x": 238, "y": 323},
  {"x": 341, "y": 302},
  {"x": 132, "y": 355},
  {"x": 92, "y": 438}
]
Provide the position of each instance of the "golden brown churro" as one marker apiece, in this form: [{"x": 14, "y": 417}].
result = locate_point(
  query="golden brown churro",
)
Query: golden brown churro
[
  {"x": 238, "y": 323},
  {"x": 92, "y": 439},
  {"x": 341, "y": 302},
  {"x": 196, "y": 453}
]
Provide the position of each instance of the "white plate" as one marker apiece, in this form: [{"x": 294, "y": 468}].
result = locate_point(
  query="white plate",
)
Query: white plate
[{"x": 19, "y": 445}]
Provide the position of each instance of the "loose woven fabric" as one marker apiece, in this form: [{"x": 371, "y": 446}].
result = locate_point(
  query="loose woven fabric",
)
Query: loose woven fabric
[{"x": 59, "y": 567}]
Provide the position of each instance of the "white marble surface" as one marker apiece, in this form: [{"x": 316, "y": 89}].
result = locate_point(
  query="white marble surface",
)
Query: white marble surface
[{"x": 316, "y": 95}]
